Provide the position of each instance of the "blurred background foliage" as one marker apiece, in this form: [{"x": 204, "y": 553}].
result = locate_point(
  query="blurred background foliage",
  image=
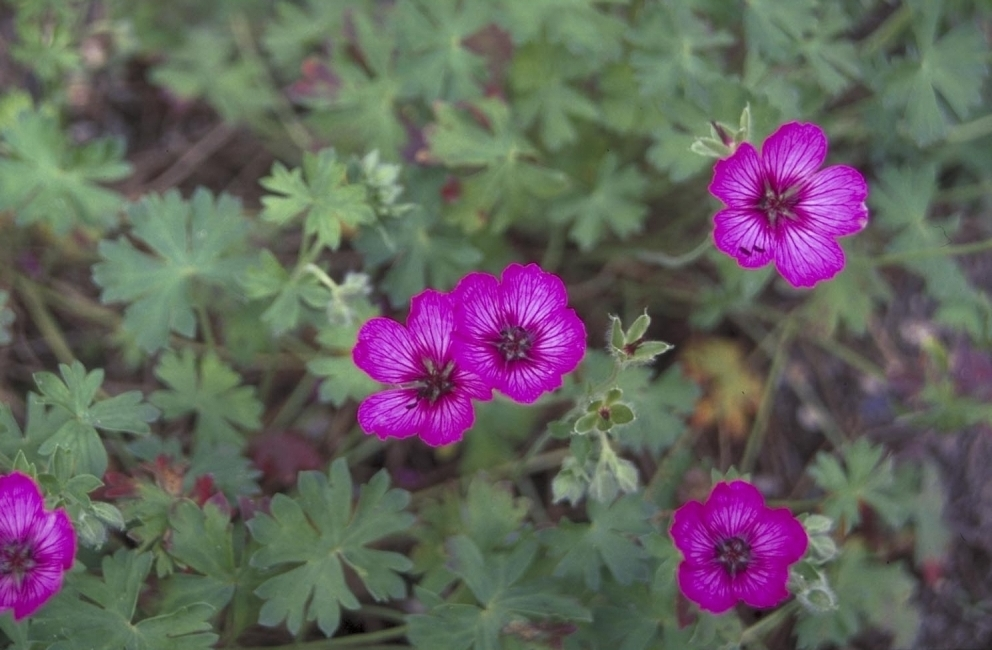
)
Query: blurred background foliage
[{"x": 416, "y": 140}]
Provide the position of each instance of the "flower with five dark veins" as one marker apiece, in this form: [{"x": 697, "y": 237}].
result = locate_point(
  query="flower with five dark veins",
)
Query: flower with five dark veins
[
  {"x": 781, "y": 206},
  {"x": 37, "y": 546},
  {"x": 517, "y": 333},
  {"x": 736, "y": 548},
  {"x": 432, "y": 393}
]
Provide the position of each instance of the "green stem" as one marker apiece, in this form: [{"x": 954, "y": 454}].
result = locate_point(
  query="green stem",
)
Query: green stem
[
  {"x": 554, "y": 250},
  {"x": 899, "y": 20},
  {"x": 291, "y": 408},
  {"x": 761, "y": 419},
  {"x": 972, "y": 130},
  {"x": 208, "y": 331},
  {"x": 768, "y": 623},
  {"x": 851, "y": 357},
  {"x": 241, "y": 29},
  {"x": 31, "y": 296},
  {"x": 352, "y": 640},
  {"x": 940, "y": 251},
  {"x": 385, "y": 613},
  {"x": 674, "y": 261}
]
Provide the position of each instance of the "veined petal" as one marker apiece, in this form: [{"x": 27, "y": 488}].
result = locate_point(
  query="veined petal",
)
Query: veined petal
[
  {"x": 447, "y": 420},
  {"x": 739, "y": 181},
  {"x": 392, "y": 413},
  {"x": 805, "y": 256},
  {"x": 54, "y": 540},
  {"x": 430, "y": 323},
  {"x": 777, "y": 536},
  {"x": 833, "y": 201},
  {"x": 478, "y": 315},
  {"x": 691, "y": 535},
  {"x": 732, "y": 508},
  {"x": 470, "y": 385},
  {"x": 709, "y": 586},
  {"x": 386, "y": 351},
  {"x": 530, "y": 295},
  {"x": 744, "y": 233},
  {"x": 20, "y": 504},
  {"x": 39, "y": 585},
  {"x": 763, "y": 585},
  {"x": 792, "y": 154}
]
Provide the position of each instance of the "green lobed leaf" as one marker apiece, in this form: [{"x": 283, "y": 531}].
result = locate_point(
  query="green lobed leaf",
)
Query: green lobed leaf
[
  {"x": 589, "y": 29},
  {"x": 495, "y": 581},
  {"x": 949, "y": 70},
  {"x": 505, "y": 180},
  {"x": 73, "y": 395},
  {"x": 868, "y": 592},
  {"x": 104, "y": 618},
  {"x": 207, "y": 64},
  {"x": 436, "y": 62},
  {"x": 607, "y": 541},
  {"x": 316, "y": 534},
  {"x": 613, "y": 204},
  {"x": 540, "y": 75},
  {"x": 423, "y": 253},
  {"x": 321, "y": 193},
  {"x": 213, "y": 392},
  {"x": 194, "y": 245},
  {"x": 201, "y": 540},
  {"x": 45, "y": 179},
  {"x": 864, "y": 477}
]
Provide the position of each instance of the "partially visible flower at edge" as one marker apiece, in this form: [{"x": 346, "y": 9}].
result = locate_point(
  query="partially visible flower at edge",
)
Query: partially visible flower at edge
[
  {"x": 736, "y": 548},
  {"x": 37, "y": 546},
  {"x": 517, "y": 333},
  {"x": 432, "y": 394},
  {"x": 782, "y": 207}
]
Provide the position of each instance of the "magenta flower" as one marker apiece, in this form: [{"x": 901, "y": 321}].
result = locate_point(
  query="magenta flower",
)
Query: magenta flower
[
  {"x": 517, "y": 333},
  {"x": 779, "y": 207},
  {"x": 36, "y": 546},
  {"x": 735, "y": 548},
  {"x": 433, "y": 393}
]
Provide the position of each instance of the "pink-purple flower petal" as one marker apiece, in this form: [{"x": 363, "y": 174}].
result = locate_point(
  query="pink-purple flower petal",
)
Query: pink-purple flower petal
[
  {"x": 37, "y": 546},
  {"x": 707, "y": 587},
  {"x": 517, "y": 333},
  {"x": 386, "y": 352},
  {"x": 833, "y": 201},
  {"x": 744, "y": 234},
  {"x": 780, "y": 208},
  {"x": 792, "y": 154},
  {"x": 431, "y": 395},
  {"x": 392, "y": 414},
  {"x": 805, "y": 256},
  {"x": 739, "y": 180},
  {"x": 735, "y": 548},
  {"x": 430, "y": 323}
]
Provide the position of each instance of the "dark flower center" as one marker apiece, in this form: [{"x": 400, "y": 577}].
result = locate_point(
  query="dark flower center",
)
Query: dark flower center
[
  {"x": 514, "y": 343},
  {"x": 734, "y": 554},
  {"x": 16, "y": 560},
  {"x": 436, "y": 383},
  {"x": 777, "y": 204}
]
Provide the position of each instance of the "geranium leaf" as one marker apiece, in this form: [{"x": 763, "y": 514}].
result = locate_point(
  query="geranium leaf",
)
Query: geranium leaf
[
  {"x": 193, "y": 244},
  {"x": 308, "y": 540},
  {"x": 213, "y": 392}
]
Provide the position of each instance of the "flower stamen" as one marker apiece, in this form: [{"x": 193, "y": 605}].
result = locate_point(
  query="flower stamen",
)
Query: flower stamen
[
  {"x": 734, "y": 554},
  {"x": 514, "y": 343}
]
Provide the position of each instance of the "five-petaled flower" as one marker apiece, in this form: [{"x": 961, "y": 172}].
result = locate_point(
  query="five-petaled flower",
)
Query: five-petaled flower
[
  {"x": 37, "y": 546},
  {"x": 781, "y": 208},
  {"x": 736, "y": 548},
  {"x": 432, "y": 394},
  {"x": 517, "y": 333}
]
